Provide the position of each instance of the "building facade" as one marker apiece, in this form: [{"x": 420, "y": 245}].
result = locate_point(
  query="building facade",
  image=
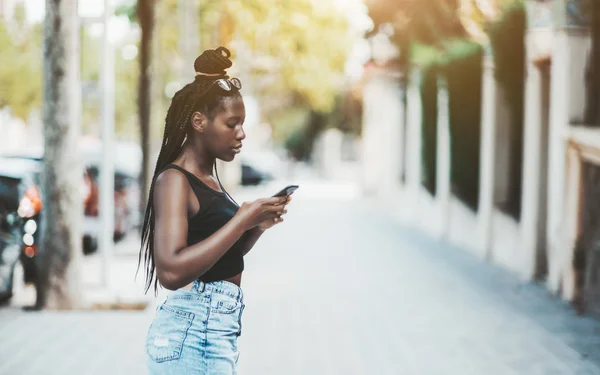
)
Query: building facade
[{"x": 554, "y": 236}]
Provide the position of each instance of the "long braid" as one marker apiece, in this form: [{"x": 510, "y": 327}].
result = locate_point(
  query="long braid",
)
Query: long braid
[
  {"x": 195, "y": 96},
  {"x": 175, "y": 132},
  {"x": 167, "y": 148}
]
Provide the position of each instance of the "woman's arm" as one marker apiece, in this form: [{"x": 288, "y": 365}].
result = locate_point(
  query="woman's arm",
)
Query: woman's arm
[
  {"x": 178, "y": 264},
  {"x": 250, "y": 238}
]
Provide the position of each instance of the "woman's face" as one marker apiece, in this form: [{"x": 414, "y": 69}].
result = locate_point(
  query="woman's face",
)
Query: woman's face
[{"x": 223, "y": 135}]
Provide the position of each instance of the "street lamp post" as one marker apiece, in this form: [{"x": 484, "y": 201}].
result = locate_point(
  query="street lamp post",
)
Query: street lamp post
[
  {"x": 189, "y": 40},
  {"x": 107, "y": 202}
]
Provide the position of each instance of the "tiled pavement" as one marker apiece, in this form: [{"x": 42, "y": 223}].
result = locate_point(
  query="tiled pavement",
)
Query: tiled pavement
[{"x": 340, "y": 288}]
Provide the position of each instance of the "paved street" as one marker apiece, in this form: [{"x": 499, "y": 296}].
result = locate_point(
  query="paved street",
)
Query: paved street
[{"x": 340, "y": 288}]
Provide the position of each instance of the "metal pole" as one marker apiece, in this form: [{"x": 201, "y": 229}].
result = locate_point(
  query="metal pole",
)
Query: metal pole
[
  {"x": 107, "y": 199},
  {"x": 188, "y": 38}
]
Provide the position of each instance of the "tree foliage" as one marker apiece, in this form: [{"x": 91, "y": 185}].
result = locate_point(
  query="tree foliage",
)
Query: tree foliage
[
  {"x": 294, "y": 52},
  {"x": 297, "y": 47},
  {"x": 427, "y": 22},
  {"x": 125, "y": 88},
  {"x": 432, "y": 23},
  {"x": 21, "y": 75},
  {"x": 21, "y": 68},
  {"x": 309, "y": 40},
  {"x": 297, "y": 54}
]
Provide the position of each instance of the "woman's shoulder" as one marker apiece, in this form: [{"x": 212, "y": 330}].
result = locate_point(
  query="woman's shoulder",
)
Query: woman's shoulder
[{"x": 171, "y": 181}]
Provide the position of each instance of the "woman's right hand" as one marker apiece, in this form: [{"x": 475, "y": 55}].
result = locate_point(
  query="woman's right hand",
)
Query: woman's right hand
[{"x": 253, "y": 213}]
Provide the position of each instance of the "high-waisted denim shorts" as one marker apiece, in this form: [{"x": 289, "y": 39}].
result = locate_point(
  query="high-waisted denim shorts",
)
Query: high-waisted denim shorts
[{"x": 196, "y": 331}]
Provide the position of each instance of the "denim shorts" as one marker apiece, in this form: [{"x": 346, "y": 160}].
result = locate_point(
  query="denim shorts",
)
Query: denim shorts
[{"x": 196, "y": 331}]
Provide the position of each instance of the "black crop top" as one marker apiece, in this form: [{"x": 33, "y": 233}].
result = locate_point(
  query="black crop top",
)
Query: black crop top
[{"x": 216, "y": 209}]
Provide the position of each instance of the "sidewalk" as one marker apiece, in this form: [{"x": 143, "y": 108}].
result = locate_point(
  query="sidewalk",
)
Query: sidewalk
[
  {"x": 82, "y": 342},
  {"x": 340, "y": 288},
  {"x": 122, "y": 289}
]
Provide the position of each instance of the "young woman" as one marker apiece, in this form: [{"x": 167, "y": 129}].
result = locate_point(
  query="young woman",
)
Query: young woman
[{"x": 195, "y": 236}]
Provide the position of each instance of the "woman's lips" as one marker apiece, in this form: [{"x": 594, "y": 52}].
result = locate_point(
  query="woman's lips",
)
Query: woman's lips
[{"x": 237, "y": 149}]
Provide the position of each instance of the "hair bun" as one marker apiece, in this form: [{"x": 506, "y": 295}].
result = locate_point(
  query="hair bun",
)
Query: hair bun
[{"x": 213, "y": 61}]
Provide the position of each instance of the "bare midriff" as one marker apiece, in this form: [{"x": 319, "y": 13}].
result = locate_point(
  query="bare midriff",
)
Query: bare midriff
[{"x": 237, "y": 280}]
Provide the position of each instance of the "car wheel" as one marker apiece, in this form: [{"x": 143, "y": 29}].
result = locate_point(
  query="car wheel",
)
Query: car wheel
[
  {"x": 118, "y": 236},
  {"x": 90, "y": 245},
  {"x": 29, "y": 269}
]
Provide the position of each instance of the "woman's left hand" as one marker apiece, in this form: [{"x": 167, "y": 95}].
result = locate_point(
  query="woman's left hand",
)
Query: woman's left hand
[{"x": 271, "y": 222}]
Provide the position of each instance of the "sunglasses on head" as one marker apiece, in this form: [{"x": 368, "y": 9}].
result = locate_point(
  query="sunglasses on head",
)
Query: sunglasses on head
[{"x": 228, "y": 84}]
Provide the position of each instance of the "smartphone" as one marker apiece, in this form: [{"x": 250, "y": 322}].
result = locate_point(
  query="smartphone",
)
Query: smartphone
[{"x": 288, "y": 190}]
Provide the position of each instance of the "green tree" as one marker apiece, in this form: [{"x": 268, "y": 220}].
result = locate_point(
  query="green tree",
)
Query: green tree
[
  {"x": 21, "y": 68},
  {"x": 307, "y": 40},
  {"x": 21, "y": 74},
  {"x": 298, "y": 49},
  {"x": 126, "y": 72},
  {"x": 427, "y": 22},
  {"x": 432, "y": 23}
]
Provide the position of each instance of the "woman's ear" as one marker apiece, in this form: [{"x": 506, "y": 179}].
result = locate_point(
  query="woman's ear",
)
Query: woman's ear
[{"x": 199, "y": 121}]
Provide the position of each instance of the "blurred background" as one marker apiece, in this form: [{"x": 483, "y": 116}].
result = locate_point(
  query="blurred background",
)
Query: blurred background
[{"x": 447, "y": 153}]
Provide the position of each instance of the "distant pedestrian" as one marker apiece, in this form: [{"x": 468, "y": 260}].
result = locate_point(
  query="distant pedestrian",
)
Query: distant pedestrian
[{"x": 195, "y": 235}]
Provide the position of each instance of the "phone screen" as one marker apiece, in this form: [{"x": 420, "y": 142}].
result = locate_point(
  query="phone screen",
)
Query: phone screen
[{"x": 286, "y": 191}]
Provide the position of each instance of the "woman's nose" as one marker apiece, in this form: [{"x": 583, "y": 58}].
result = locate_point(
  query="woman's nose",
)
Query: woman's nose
[{"x": 241, "y": 135}]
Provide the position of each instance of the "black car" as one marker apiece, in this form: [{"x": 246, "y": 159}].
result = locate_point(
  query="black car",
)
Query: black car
[
  {"x": 252, "y": 175},
  {"x": 20, "y": 205},
  {"x": 10, "y": 233},
  {"x": 21, "y": 198}
]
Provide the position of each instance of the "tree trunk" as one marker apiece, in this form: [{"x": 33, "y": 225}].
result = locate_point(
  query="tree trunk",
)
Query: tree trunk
[
  {"x": 58, "y": 286},
  {"x": 145, "y": 14}
]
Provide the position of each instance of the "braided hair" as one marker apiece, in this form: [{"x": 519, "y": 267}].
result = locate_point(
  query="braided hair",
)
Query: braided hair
[{"x": 203, "y": 96}]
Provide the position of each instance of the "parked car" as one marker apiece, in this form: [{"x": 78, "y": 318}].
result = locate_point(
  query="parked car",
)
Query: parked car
[
  {"x": 10, "y": 240},
  {"x": 21, "y": 197},
  {"x": 126, "y": 200},
  {"x": 253, "y": 175},
  {"x": 19, "y": 182},
  {"x": 261, "y": 166},
  {"x": 127, "y": 164}
]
